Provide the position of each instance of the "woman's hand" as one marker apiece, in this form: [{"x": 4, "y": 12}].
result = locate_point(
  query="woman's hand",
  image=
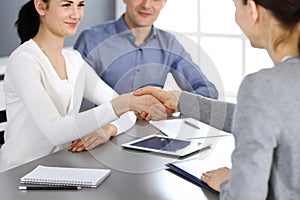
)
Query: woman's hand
[
  {"x": 148, "y": 104},
  {"x": 168, "y": 98},
  {"x": 92, "y": 140},
  {"x": 214, "y": 178}
]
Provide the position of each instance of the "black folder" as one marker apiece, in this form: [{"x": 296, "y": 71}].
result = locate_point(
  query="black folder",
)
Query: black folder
[{"x": 189, "y": 170}]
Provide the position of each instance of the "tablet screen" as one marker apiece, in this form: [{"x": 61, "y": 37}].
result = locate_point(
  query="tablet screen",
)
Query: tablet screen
[{"x": 162, "y": 143}]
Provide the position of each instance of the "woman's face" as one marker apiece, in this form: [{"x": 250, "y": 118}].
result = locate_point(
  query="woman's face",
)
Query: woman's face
[
  {"x": 245, "y": 17},
  {"x": 61, "y": 17},
  {"x": 240, "y": 15}
]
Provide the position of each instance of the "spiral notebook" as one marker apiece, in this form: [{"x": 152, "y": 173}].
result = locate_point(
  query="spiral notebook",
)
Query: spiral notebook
[{"x": 84, "y": 177}]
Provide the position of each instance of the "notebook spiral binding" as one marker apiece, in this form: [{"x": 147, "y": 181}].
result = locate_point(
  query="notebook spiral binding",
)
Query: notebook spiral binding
[{"x": 33, "y": 181}]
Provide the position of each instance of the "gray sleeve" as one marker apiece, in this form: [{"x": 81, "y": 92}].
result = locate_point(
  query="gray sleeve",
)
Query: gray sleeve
[
  {"x": 215, "y": 113},
  {"x": 254, "y": 129}
]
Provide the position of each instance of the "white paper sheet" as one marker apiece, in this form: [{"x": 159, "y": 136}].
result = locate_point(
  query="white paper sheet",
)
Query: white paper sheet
[{"x": 178, "y": 128}]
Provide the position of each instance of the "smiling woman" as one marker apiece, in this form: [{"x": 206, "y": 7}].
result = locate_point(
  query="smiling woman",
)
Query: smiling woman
[
  {"x": 38, "y": 17},
  {"x": 44, "y": 86}
]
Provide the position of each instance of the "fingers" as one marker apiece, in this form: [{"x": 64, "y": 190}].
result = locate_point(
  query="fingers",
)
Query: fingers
[
  {"x": 151, "y": 108},
  {"x": 76, "y": 146},
  {"x": 90, "y": 142},
  {"x": 156, "y": 92},
  {"x": 169, "y": 112},
  {"x": 211, "y": 180},
  {"x": 143, "y": 100},
  {"x": 143, "y": 91},
  {"x": 144, "y": 115},
  {"x": 214, "y": 178},
  {"x": 168, "y": 98},
  {"x": 205, "y": 179},
  {"x": 93, "y": 139},
  {"x": 158, "y": 112},
  {"x": 74, "y": 143}
]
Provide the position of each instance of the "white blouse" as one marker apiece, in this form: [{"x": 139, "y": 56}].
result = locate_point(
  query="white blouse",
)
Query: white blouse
[{"x": 43, "y": 110}]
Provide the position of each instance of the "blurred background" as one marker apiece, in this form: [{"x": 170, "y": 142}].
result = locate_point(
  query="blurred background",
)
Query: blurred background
[{"x": 207, "y": 25}]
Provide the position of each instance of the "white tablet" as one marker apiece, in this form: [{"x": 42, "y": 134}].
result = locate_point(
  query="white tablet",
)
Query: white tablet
[{"x": 165, "y": 145}]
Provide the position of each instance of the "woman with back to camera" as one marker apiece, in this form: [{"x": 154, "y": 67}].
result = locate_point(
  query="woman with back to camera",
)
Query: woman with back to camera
[
  {"x": 265, "y": 120},
  {"x": 44, "y": 86}
]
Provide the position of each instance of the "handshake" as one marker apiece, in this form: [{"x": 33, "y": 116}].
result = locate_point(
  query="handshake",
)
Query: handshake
[{"x": 149, "y": 103}]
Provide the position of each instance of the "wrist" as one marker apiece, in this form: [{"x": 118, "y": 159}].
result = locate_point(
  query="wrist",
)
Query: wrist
[
  {"x": 108, "y": 130},
  {"x": 121, "y": 104},
  {"x": 112, "y": 129},
  {"x": 174, "y": 104}
]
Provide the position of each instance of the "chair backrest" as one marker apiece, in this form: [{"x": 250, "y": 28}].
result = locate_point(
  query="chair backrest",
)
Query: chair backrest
[
  {"x": 3, "y": 63},
  {"x": 3, "y": 120}
]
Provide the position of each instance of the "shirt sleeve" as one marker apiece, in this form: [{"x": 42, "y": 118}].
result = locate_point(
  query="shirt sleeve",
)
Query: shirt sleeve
[
  {"x": 58, "y": 129},
  {"x": 217, "y": 114},
  {"x": 83, "y": 43},
  {"x": 255, "y": 141},
  {"x": 99, "y": 92},
  {"x": 189, "y": 76}
]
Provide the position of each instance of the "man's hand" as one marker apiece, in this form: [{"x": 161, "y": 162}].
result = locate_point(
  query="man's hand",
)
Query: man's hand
[
  {"x": 168, "y": 98},
  {"x": 153, "y": 108}
]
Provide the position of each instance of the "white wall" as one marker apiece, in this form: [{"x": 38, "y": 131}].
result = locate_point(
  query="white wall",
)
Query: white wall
[
  {"x": 96, "y": 11},
  {"x": 120, "y": 8}
]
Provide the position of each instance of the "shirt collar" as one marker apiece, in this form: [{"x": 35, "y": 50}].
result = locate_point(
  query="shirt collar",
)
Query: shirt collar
[
  {"x": 124, "y": 30},
  {"x": 287, "y": 58},
  {"x": 121, "y": 25}
]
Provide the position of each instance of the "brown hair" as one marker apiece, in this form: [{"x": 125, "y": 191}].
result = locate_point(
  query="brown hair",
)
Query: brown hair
[
  {"x": 28, "y": 21},
  {"x": 287, "y": 12}
]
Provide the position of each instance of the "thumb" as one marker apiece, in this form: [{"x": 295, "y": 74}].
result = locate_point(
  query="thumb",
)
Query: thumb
[{"x": 143, "y": 91}]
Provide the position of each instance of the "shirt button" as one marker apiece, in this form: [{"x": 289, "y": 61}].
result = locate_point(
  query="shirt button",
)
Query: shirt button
[{"x": 138, "y": 70}]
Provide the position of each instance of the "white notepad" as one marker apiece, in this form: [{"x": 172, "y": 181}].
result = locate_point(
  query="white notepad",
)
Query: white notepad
[
  {"x": 84, "y": 177},
  {"x": 180, "y": 128}
]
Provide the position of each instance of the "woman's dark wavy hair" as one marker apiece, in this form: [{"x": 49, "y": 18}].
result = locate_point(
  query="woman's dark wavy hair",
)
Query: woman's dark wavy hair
[
  {"x": 28, "y": 21},
  {"x": 285, "y": 11}
]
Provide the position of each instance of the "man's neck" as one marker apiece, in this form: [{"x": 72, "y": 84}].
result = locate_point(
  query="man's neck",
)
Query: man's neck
[{"x": 141, "y": 34}]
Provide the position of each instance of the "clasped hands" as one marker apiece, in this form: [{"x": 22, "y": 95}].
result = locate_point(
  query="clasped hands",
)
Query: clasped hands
[
  {"x": 149, "y": 103},
  {"x": 159, "y": 103}
]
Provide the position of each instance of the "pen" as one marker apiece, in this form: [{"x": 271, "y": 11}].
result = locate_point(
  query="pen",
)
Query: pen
[
  {"x": 191, "y": 124},
  {"x": 164, "y": 133},
  {"x": 38, "y": 187},
  {"x": 212, "y": 136}
]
